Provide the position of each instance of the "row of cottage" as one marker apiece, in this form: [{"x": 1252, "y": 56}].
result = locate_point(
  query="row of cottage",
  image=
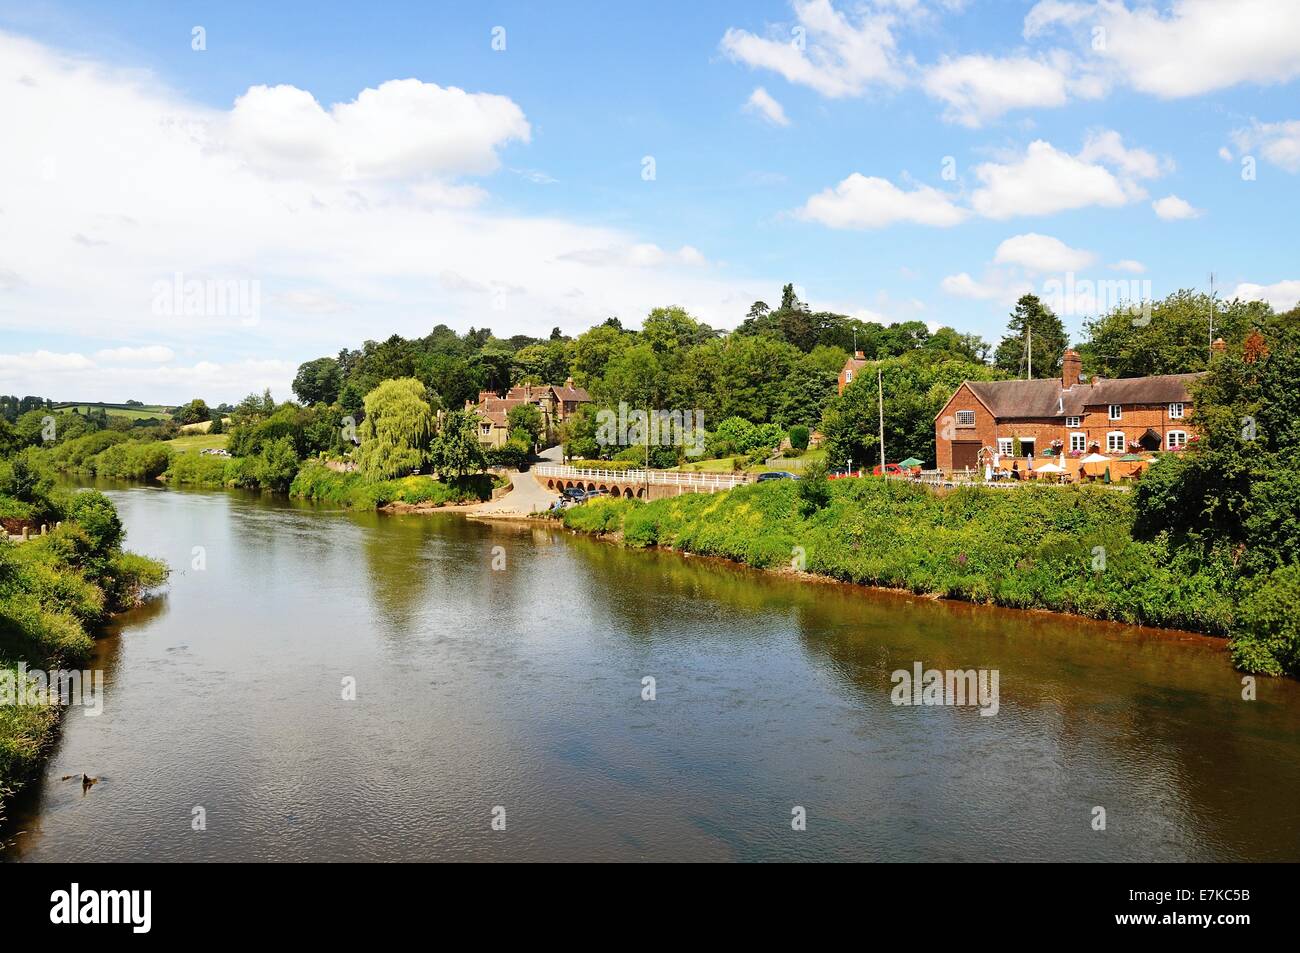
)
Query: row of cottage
[
  {"x": 556, "y": 402},
  {"x": 1068, "y": 417}
]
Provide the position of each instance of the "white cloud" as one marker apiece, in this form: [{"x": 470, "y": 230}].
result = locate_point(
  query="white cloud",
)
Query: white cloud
[
  {"x": 1129, "y": 265},
  {"x": 1278, "y": 142},
  {"x": 1041, "y": 253},
  {"x": 1283, "y": 295},
  {"x": 869, "y": 202},
  {"x": 1044, "y": 181},
  {"x": 980, "y": 88},
  {"x": 1190, "y": 48},
  {"x": 402, "y": 129},
  {"x": 825, "y": 50},
  {"x": 41, "y": 362},
  {"x": 1107, "y": 146},
  {"x": 996, "y": 286},
  {"x": 761, "y": 103},
  {"x": 150, "y": 354},
  {"x": 172, "y": 187},
  {"x": 1172, "y": 209}
]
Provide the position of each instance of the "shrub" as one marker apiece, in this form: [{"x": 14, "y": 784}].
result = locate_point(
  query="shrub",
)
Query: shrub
[
  {"x": 1266, "y": 637},
  {"x": 799, "y": 435}
]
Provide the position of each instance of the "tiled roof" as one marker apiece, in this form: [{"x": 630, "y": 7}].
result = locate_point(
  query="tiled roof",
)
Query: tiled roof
[
  {"x": 1046, "y": 398},
  {"x": 572, "y": 394}
]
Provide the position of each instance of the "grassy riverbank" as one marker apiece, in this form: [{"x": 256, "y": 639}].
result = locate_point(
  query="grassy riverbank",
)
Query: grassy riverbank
[
  {"x": 1062, "y": 549},
  {"x": 315, "y": 481},
  {"x": 55, "y": 590}
]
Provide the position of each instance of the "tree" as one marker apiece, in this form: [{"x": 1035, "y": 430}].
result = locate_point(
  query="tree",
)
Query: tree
[
  {"x": 849, "y": 425},
  {"x": 277, "y": 464},
  {"x": 814, "y": 489},
  {"x": 195, "y": 412},
  {"x": 396, "y": 432},
  {"x": 318, "y": 381},
  {"x": 1032, "y": 319},
  {"x": 456, "y": 450},
  {"x": 525, "y": 422}
]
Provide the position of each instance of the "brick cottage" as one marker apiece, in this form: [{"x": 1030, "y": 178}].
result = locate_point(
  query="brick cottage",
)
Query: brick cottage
[{"x": 1074, "y": 418}]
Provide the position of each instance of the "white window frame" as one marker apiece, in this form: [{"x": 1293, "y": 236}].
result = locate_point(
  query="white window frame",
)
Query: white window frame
[
  {"x": 970, "y": 418},
  {"x": 848, "y": 377},
  {"x": 1123, "y": 441},
  {"x": 1006, "y": 446},
  {"x": 1176, "y": 410},
  {"x": 1170, "y": 443},
  {"x": 1078, "y": 442},
  {"x": 1074, "y": 421},
  {"x": 485, "y": 429},
  {"x": 1115, "y": 411}
]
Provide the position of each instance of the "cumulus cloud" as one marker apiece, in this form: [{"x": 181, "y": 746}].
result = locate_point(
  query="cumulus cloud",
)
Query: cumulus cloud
[
  {"x": 1046, "y": 180},
  {"x": 1041, "y": 253},
  {"x": 1190, "y": 48},
  {"x": 1283, "y": 295},
  {"x": 860, "y": 201},
  {"x": 761, "y": 103},
  {"x": 1278, "y": 142},
  {"x": 825, "y": 50},
  {"x": 1173, "y": 209},
  {"x": 1128, "y": 265},
  {"x": 150, "y": 354},
  {"x": 997, "y": 286},
  {"x": 979, "y": 88}
]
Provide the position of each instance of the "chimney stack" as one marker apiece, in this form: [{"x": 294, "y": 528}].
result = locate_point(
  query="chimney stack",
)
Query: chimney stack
[
  {"x": 1218, "y": 348},
  {"x": 859, "y": 356},
  {"x": 1071, "y": 368}
]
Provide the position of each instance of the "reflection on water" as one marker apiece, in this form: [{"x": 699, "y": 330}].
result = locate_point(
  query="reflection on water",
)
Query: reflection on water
[{"x": 521, "y": 688}]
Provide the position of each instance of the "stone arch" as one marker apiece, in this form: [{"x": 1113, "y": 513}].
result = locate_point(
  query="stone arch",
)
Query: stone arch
[
  {"x": 550, "y": 484},
  {"x": 591, "y": 486},
  {"x": 640, "y": 494},
  {"x": 627, "y": 493}
]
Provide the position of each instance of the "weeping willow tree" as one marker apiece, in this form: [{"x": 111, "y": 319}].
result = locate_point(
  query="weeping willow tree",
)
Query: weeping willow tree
[{"x": 396, "y": 432}]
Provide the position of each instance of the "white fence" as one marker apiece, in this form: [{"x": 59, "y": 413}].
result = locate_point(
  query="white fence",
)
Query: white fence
[{"x": 685, "y": 479}]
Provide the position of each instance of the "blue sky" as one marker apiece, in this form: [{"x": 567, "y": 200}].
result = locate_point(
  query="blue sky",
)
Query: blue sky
[{"x": 915, "y": 159}]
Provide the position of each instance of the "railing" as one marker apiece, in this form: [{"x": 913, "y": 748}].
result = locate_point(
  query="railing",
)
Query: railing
[{"x": 687, "y": 479}]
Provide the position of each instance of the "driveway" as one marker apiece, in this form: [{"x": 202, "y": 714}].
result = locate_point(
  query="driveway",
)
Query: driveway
[{"x": 527, "y": 496}]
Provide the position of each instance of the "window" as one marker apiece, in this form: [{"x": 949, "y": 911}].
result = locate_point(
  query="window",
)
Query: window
[
  {"x": 848, "y": 377},
  {"x": 1078, "y": 442},
  {"x": 965, "y": 418},
  {"x": 1005, "y": 446},
  {"x": 1176, "y": 411},
  {"x": 1027, "y": 446},
  {"x": 1116, "y": 442},
  {"x": 486, "y": 429},
  {"x": 1115, "y": 412},
  {"x": 1176, "y": 439},
  {"x": 1074, "y": 421}
]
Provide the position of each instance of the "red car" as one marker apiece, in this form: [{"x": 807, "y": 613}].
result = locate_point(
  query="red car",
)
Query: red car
[{"x": 892, "y": 469}]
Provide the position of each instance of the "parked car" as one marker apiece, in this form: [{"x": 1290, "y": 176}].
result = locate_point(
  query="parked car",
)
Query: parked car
[
  {"x": 775, "y": 475},
  {"x": 891, "y": 469}
]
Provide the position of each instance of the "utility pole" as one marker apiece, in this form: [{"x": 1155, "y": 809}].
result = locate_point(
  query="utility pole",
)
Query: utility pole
[
  {"x": 1212, "y": 315},
  {"x": 880, "y": 395},
  {"x": 1029, "y": 349}
]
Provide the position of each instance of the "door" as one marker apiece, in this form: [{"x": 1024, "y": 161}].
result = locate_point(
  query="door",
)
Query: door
[{"x": 965, "y": 454}]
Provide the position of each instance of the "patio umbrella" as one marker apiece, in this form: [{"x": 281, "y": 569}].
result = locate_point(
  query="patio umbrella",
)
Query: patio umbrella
[
  {"x": 1095, "y": 458},
  {"x": 1051, "y": 468},
  {"x": 911, "y": 462},
  {"x": 1133, "y": 458}
]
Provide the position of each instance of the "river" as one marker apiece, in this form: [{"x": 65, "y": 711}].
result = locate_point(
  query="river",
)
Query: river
[{"x": 515, "y": 693}]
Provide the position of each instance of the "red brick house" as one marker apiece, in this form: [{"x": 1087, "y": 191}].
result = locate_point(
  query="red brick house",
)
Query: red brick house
[
  {"x": 1069, "y": 416},
  {"x": 851, "y": 368},
  {"x": 557, "y": 403}
]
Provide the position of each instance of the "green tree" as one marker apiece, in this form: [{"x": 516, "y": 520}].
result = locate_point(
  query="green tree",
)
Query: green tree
[
  {"x": 525, "y": 424},
  {"x": 318, "y": 381},
  {"x": 277, "y": 464},
  {"x": 195, "y": 412},
  {"x": 397, "y": 430},
  {"x": 1048, "y": 335},
  {"x": 455, "y": 450}
]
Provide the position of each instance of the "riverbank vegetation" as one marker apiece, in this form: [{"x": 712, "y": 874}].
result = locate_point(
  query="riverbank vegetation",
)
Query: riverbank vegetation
[
  {"x": 55, "y": 590},
  {"x": 317, "y": 482}
]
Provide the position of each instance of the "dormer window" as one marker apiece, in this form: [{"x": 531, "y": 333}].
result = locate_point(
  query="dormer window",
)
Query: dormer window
[
  {"x": 1116, "y": 412},
  {"x": 1074, "y": 421}
]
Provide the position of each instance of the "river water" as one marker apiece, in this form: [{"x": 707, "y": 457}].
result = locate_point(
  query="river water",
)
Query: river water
[{"x": 515, "y": 693}]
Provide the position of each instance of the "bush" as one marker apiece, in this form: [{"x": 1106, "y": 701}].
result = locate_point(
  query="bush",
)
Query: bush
[
  {"x": 1266, "y": 638},
  {"x": 315, "y": 481},
  {"x": 799, "y": 436}
]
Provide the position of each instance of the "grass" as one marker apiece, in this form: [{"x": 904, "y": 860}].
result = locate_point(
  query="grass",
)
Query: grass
[
  {"x": 120, "y": 410},
  {"x": 1064, "y": 549},
  {"x": 193, "y": 443}
]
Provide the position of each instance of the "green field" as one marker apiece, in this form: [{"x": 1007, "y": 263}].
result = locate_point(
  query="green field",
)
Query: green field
[
  {"x": 121, "y": 410},
  {"x": 724, "y": 464},
  {"x": 197, "y": 442}
]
